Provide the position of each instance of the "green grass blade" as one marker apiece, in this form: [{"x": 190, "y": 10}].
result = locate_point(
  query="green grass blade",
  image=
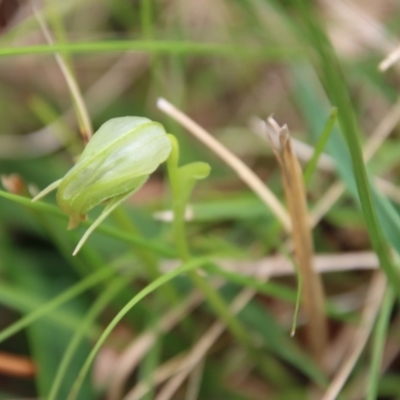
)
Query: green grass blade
[
  {"x": 146, "y": 18},
  {"x": 186, "y": 267},
  {"x": 319, "y": 148},
  {"x": 314, "y": 106},
  {"x": 334, "y": 82},
  {"x": 156, "y": 47},
  {"x": 77, "y": 289},
  {"x": 150, "y": 363},
  {"x": 98, "y": 306},
  {"x": 272, "y": 289},
  {"x": 379, "y": 344},
  {"x": 24, "y": 302},
  {"x": 279, "y": 343},
  {"x": 114, "y": 233},
  {"x": 268, "y": 288}
]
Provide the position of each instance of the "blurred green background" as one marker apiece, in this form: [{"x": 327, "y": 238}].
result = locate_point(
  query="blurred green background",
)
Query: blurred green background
[{"x": 223, "y": 63}]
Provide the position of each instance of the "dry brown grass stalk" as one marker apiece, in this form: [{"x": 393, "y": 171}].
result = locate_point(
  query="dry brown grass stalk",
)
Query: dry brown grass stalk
[
  {"x": 194, "y": 381},
  {"x": 81, "y": 110},
  {"x": 313, "y": 298},
  {"x": 322, "y": 263},
  {"x": 162, "y": 373},
  {"x": 390, "y": 59}
]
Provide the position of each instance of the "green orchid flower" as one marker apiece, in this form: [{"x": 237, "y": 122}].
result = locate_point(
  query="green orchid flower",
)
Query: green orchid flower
[{"x": 115, "y": 163}]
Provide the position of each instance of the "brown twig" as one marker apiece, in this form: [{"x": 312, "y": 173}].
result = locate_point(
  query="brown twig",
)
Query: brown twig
[{"x": 15, "y": 365}]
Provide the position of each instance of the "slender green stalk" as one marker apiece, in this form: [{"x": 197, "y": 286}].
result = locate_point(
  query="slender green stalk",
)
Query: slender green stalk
[
  {"x": 98, "y": 306},
  {"x": 299, "y": 279},
  {"x": 157, "y": 47},
  {"x": 178, "y": 203},
  {"x": 319, "y": 148},
  {"x": 115, "y": 233},
  {"x": 180, "y": 195},
  {"x": 25, "y": 302},
  {"x": 146, "y": 18},
  {"x": 272, "y": 289},
  {"x": 275, "y": 290},
  {"x": 184, "y": 268},
  {"x": 85, "y": 284},
  {"x": 334, "y": 82},
  {"x": 62, "y": 243},
  {"x": 150, "y": 261},
  {"x": 298, "y": 300},
  {"x": 149, "y": 365},
  {"x": 378, "y": 344}
]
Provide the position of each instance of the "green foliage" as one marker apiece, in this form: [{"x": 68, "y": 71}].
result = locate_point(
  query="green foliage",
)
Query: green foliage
[{"x": 177, "y": 284}]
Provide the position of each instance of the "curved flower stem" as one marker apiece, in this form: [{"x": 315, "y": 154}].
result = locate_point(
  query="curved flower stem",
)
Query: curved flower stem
[
  {"x": 180, "y": 196},
  {"x": 178, "y": 202}
]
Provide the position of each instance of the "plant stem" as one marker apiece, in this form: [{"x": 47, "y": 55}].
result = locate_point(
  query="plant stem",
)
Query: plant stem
[
  {"x": 150, "y": 261},
  {"x": 216, "y": 301},
  {"x": 178, "y": 204},
  {"x": 379, "y": 343}
]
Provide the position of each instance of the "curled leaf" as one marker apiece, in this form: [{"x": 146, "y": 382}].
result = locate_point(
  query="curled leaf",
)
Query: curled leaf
[{"x": 189, "y": 174}]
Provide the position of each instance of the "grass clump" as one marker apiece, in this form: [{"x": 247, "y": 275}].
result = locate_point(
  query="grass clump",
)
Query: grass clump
[{"x": 189, "y": 284}]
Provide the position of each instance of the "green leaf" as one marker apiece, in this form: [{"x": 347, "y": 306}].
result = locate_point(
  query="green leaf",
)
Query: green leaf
[
  {"x": 85, "y": 284},
  {"x": 378, "y": 346},
  {"x": 111, "y": 232}
]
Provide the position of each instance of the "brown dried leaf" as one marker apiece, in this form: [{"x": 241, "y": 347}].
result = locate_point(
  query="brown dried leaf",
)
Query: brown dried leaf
[{"x": 313, "y": 298}]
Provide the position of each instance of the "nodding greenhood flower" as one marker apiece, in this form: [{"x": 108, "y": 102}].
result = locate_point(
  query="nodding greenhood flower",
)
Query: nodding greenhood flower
[{"x": 115, "y": 163}]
